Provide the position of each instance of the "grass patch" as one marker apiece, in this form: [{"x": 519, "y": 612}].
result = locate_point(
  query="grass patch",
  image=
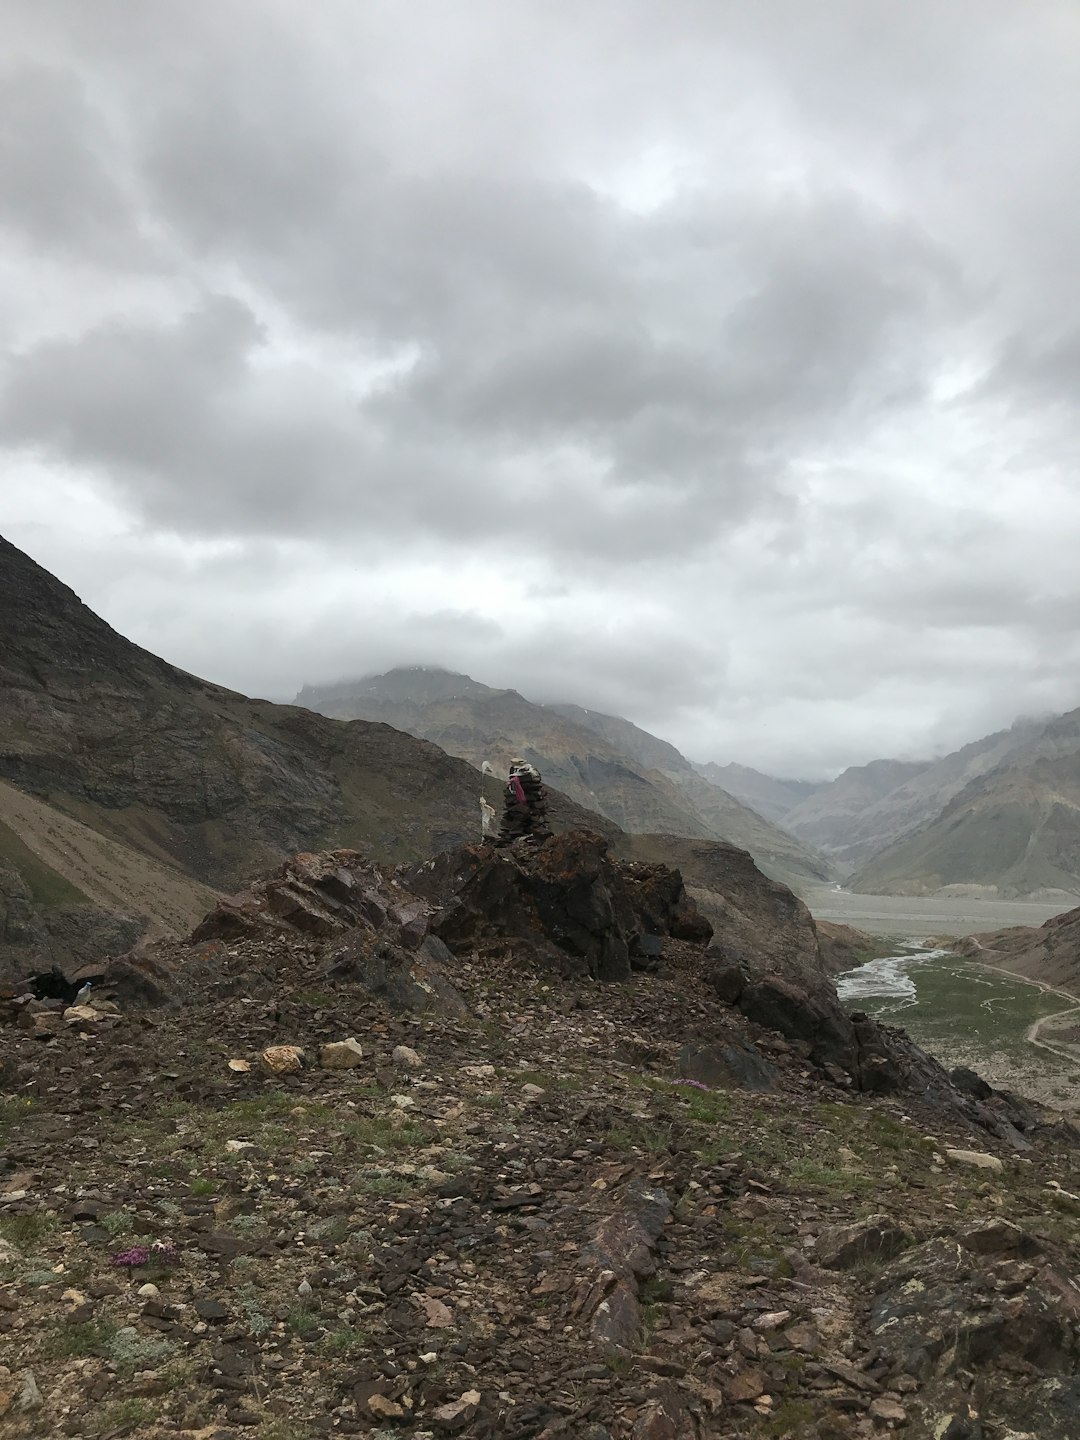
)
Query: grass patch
[
  {"x": 124, "y": 1415},
  {"x": 345, "y": 1342},
  {"x": 14, "y": 1109},
  {"x": 302, "y": 1322},
  {"x": 77, "y": 1340},
  {"x": 793, "y": 1417},
  {"x": 118, "y": 1222},
  {"x": 827, "y": 1177},
  {"x": 389, "y": 1185},
  {"x": 27, "y": 1232},
  {"x": 48, "y": 889},
  {"x": 380, "y": 1132}
]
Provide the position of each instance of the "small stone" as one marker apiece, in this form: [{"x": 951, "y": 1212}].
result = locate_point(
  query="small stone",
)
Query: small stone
[
  {"x": 241, "y": 1067},
  {"x": 975, "y": 1158},
  {"x": 747, "y": 1385},
  {"x": 210, "y": 1310},
  {"x": 74, "y": 1298},
  {"x": 385, "y": 1409},
  {"x": 283, "y": 1059},
  {"x": 237, "y": 1147},
  {"x": 406, "y": 1057},
  {"x": 29, "y": 1396},
  {"x": 885, "y": 1409},
  {"x": 479, "y": 1072},
  {"x": 341, "y": 1054},
  {"x": 457, "y": 1413},
  {"x": 438, "y": 1315},
  {"x": 803, "y": 1336},
  {"x": 304, "y": 1289},
  {"x": 533, "y": 1092},
  {"x": 773, "y": 1320}
]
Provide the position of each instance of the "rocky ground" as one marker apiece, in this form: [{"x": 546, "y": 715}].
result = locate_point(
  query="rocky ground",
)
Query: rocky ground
[{"x": 529, "y": 1204}]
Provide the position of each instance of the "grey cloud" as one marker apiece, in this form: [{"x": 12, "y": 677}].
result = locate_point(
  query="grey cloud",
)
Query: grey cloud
[
  {"x": 723, "y": 345},
  {"x": 57, "y": 186}
]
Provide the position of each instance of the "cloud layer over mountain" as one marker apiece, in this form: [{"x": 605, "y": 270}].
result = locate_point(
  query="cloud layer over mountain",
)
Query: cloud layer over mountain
[{"x": 710, "y": 363}]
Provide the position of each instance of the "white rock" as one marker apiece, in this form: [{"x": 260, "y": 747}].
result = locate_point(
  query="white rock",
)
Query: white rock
[
  {"x": 341, "y": 1054},
  {"x": 149, "y": 1292},
  {"x": 533, "y": 1092},
  {"x": 237, "y": 1147},
  {"x": 478, "y": 1072},
  {"x": 29, "y": 1397},
  {"x": 83, "y": 1015},
  {"x": 406, "y": 1057},
  {"x": 976, "y": 1158},
  {"x": 303, "y": 1289}
]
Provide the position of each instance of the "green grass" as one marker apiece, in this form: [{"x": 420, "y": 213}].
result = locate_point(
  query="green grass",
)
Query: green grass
[
  {"x": 76, "y": 1340},
  {"x": 302, "y": 1322},
  {"x": 28, "y": 1232},
  {"x": 118, "y": 1222},
  {"x": 345, "y": 1342},
  {"x": 124, "y": 1414},
  {"x": 202, "y": 1186},
  {"x": 14, "y": 1111},
  {"x": 389, "y": 1185},
  {"x": 48, "y": 889}
]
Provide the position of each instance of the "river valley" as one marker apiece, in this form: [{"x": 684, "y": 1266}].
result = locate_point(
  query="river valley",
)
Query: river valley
[{"x": 967, "y": 1014}]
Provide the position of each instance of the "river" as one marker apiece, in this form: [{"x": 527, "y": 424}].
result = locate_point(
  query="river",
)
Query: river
[{"x": 966, "y": 1014}]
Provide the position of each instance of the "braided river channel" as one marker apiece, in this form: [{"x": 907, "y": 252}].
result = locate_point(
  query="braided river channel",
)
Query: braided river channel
[{"x": 967, "y": 1014}]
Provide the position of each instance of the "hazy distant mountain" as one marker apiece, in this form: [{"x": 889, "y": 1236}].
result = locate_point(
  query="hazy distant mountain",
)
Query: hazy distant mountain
[
  {"x": 1015, "y": 826},
  {"x": 766, "y": 794},
  {"x": 602, "y": 761},
  {"x": 835, "y": 816}
]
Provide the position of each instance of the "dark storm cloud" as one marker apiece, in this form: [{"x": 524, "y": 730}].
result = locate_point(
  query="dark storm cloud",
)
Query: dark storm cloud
[{"x": 713, "y": 363}]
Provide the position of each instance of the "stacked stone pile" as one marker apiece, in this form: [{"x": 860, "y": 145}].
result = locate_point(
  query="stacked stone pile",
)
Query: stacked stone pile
[{"x": 524, "y": 805}]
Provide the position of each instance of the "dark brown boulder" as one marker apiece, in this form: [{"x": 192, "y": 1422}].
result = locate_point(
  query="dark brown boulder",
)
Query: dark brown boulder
[{"x": 566, "y": 897}]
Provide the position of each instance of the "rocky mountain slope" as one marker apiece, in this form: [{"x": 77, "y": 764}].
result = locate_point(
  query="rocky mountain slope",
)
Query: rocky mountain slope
[
  {"x": 837, "y": 812},
  {"x": 146, "y": 778},
  {"x": 1015, "y": 828},
  {"x": 603, "y": 762},
  {"x": 766, "y": 794},
  {"x": 398, "y": 1160},
  {"x": 1049, "y": 952}
]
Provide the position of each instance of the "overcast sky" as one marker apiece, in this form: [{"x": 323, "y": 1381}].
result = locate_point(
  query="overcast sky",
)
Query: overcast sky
[{"x": 712, "y": 363}]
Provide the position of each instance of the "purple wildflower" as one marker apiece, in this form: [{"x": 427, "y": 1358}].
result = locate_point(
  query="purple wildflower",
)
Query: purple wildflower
[
  {"x": 137, "y": 1255},
  {"x": 694, "y": 1084}
]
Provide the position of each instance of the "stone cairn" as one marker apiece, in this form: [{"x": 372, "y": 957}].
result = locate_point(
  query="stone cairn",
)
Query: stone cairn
[{"x": 524, "y": 805}]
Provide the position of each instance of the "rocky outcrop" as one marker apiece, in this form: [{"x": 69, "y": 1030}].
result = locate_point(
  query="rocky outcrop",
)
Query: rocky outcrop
[{"x": 566, "y": 899}]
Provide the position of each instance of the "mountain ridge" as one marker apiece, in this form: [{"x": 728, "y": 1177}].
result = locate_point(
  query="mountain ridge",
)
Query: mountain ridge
[{"x": 642, "y": 783}]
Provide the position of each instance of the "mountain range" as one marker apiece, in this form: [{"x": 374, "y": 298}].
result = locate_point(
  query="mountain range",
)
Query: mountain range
[
  {"x": 1000, "y": 814},
  {"x": 132, "y": 794},
  {"x": 607, "y": 764}
]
